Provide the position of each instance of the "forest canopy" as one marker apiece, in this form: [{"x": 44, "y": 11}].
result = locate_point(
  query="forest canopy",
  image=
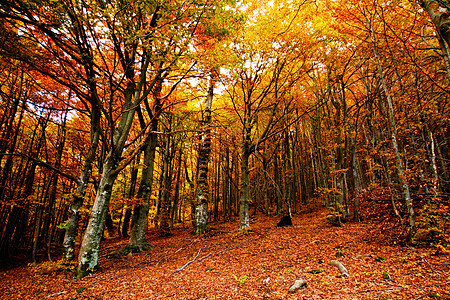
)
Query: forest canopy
[{"x": 120, "y": 115}]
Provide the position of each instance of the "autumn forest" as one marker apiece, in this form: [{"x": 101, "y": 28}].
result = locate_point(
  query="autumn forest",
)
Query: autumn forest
[{"x": 122, "y": 117}]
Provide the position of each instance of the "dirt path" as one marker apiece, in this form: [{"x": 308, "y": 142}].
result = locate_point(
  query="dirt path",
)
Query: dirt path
[{"x": 261, "y": 265}]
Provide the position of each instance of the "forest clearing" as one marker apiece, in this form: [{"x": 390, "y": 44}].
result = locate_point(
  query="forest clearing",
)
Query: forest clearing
[{"x": 263, "y": 264}]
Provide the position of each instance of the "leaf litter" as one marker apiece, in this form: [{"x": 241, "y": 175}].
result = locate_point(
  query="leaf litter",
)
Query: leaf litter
[{"x": 262, "y": 263}]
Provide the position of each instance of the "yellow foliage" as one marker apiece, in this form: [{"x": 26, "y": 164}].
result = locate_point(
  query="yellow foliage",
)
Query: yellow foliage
[{"x": 51, "y": 267}]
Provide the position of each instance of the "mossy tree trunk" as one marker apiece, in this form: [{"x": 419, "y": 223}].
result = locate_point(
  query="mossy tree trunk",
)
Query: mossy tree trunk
[
  {"x": 138, "y": 242},
  {"x": 78, "y": 196},
  {"x": 202, "y": 190}
]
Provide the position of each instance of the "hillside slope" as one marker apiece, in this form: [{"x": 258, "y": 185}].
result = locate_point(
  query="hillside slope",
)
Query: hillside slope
[{"x": 262, "y": 264}]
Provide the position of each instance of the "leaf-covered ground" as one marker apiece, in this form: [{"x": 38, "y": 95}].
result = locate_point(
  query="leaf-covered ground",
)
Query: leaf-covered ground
[{"x": 262, "y": 264}]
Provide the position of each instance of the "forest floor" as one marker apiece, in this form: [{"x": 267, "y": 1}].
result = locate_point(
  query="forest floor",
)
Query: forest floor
[{"x": 263, "y": 264}]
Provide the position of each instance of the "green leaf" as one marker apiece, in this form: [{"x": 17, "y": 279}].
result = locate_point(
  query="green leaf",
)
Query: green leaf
[
  {"x": 64, "y": 225},
  {"x": 241, "y": 279},
  {"x": 380, "y": 259},
  {"x": 317, "y": 271}
]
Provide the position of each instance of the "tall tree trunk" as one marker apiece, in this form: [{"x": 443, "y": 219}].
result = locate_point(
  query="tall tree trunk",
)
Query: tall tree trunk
[
  {"x": 244, "y": 221},
  {"x": 128, "y": 211},
  {"x": 226, "y": 196},
  {"x": 88, "y": 256},
  {"x": 50, "y": 210},
  {"x": 339, "y": 175},
  {"x": 276, "y": 184},
  {"x": 176, "y": 196},
  {"x": 78, "y": 196},
  {"x": 356, "y": 182},
  {"x": 393, "y": 129},
  {"x": 236, "y": 183},
  {"x": 287, "y": 171},
  {"x": 216, "y": 189},
  {"x": 138, "y": 242},
  {"x": 265, "y": 184},
  {"x": 202, "y": 191},
  {"x": 165, "y": 225}
]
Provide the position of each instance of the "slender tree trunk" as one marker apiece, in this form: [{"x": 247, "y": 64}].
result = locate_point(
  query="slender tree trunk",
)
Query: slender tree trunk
[
  {"x": 37, "y": 229},
  {"x": 123, "y": 229},
  {"x": 217, "y": 178},
  {"x": 265, "y": 184},
  {"x": 393, "y": 128},
  {"x": 236, "y": 183},
  {"x": 244, "y": 221},
  {"x": 226, "y": 186},
  {"x": 435, "y": 179},
  {"x": 276, "y": 184},
  {"x": 165, "y": 225},
  {"x": 339, "y": 176},
  {"x": 356, "y": 182},
  {"x": 50, "y": 210},
  {"x": 138, "y": 242},
  {"x": 176, "y": 196},
  {"x": 287, "y": 171}
]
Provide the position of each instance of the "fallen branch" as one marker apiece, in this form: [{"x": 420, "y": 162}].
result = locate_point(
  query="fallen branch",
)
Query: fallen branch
[
  {"x": 210, "y": 254},
  {"x": 56, "y": 294},
  {"x": 341, "y": 267},
  {"x": 206, "y": 256},
  {"x": 431, "y": 267},
  {"x": 189, "y": 262}
]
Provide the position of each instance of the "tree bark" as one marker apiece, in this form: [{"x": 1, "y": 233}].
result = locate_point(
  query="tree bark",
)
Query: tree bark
[
  {"x": 88, "y": 256},
  {"x": 165, "y": 225},
  {"x": 176, "y": 196},
  {"x": 439, "y": 15},
  {"x": 78, "y": 196},
  {"x": 244, "y": 221},
  {"x": 202, "y": 191},
  {"x": 137, "y": 241}
]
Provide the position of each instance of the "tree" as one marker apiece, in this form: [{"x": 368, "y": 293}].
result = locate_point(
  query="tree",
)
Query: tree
[
  {"x": 78, "y": 66},
  {"x": 202, "y": 192}
]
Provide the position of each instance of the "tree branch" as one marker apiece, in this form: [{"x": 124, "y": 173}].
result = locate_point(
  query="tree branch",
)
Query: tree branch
[{"x": 189, "y": 262}]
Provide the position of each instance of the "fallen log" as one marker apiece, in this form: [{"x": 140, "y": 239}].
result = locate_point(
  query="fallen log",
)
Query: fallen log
[
  {"x": 297, "y": 285},
  {"x": 341, "y": 268}
]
